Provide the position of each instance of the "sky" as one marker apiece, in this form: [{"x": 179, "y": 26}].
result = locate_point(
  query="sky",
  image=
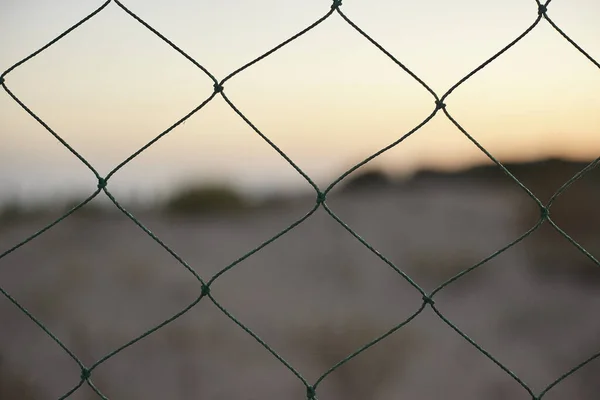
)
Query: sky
[{"x": 328, "y": 99}]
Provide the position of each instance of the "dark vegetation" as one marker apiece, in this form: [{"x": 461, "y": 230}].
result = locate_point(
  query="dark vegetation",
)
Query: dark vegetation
[
  {"x": 203, "y": 200},
  {"x": 365, "y": 180},
  {"x": 14, "y": 212},
  {"x": 542, "y": 176}
]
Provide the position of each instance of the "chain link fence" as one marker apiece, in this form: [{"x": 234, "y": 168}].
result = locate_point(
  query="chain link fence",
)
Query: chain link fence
[{"x": 204, "y": 285}]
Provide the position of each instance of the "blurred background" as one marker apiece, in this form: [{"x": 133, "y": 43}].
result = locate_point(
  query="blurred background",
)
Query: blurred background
[{"x": 213, "y": 190}]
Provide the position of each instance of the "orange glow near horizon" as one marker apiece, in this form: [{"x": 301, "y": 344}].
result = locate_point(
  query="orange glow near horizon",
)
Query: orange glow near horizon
[{"x": 328, "y": 100}]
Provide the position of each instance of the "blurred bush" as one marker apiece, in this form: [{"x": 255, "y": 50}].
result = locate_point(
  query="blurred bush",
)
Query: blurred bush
[
  {"x": 207, "y": 199},
  {"x": 365, "y": 179},
  {"x": 14, "y": 213}
]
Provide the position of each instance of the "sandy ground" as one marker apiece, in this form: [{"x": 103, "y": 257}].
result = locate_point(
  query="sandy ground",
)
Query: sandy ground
[{"x": 315, "y": 295}]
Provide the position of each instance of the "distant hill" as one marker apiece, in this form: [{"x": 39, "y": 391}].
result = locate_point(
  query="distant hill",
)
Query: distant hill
[{"x": 543, "y": 176}]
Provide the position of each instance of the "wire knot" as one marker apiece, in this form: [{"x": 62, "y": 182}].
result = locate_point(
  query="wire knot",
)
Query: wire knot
[
  {"x": 101, "y": 183},
  {"x": 321, "y": 197},
  {"x": 85, "y": 374},
  {"x": 545, "y": 213},
  {"x": 218, "y": 87},
  {"x": 310, "y": 393},
  {"x": 205, "y": 291},
  {"x": 439, "y": 105},
  {"x": 336, "y": 4},
  {"x": 542, "y": 9},
  {"x": 428, "y": 300}
]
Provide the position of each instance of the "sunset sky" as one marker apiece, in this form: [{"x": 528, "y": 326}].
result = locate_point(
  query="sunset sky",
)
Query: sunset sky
[{"x": 328, "y": 99}]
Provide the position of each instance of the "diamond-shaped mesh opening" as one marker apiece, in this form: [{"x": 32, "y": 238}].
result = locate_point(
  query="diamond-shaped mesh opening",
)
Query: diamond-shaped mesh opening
[
  {"x": 30, "y": 362},
  {"x": 446, "y": 363},
  {"x": 203, "y": 286},
  {"x": 338, "y": 106},
  {"x": 414, "y": 39},
  {"x": 145, "y": 77},
  {"x": 513, "y": 314}
]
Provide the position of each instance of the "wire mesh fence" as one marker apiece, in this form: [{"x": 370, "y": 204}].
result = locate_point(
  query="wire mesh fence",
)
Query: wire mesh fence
[{"x": 204, "y": 284}]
